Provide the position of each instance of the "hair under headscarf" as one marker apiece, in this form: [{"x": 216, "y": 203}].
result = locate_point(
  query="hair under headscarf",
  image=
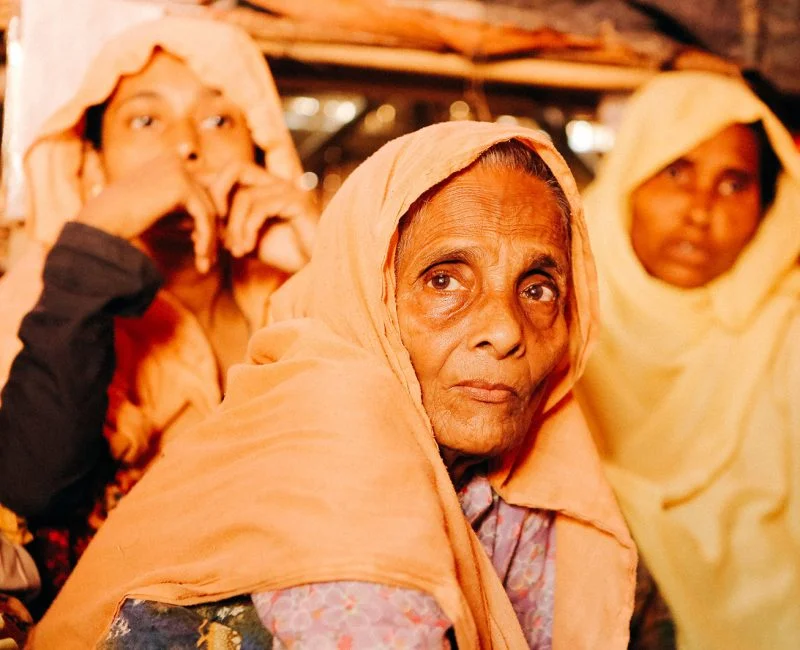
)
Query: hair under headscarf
[{"x": 321, "y": 463}]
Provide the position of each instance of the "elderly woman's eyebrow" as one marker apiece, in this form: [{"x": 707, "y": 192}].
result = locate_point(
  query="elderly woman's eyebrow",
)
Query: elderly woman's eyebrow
[
  {"x": 447, "y": 255},
  {"x": 546, "y": 262}
]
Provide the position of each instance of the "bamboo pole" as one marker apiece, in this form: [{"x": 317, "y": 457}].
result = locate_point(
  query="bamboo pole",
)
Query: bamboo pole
[{"x": 527, "y": 71}]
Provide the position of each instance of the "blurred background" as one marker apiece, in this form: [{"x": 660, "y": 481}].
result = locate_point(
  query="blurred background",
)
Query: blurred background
[{"x": 357, "y": 73}]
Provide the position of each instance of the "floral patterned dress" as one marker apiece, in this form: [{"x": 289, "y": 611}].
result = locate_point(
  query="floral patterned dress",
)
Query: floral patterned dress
[{"x": 357, "y": 615}]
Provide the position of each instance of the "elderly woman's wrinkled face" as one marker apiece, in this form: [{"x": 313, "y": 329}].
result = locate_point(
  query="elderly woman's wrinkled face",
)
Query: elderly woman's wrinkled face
[
  {"x": 691, "y": 221},
  {"x": 483, "y": 275}
]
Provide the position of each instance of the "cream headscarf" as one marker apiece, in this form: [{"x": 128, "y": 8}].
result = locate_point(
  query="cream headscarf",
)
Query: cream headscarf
[
  {"x": 321, "y": 464},
  {"x": 225, "y": 58},
  {"x": 694, "y": 395}
]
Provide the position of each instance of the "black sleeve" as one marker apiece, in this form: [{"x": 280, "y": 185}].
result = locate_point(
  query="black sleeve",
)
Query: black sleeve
[{"x": 55, "y": 400}]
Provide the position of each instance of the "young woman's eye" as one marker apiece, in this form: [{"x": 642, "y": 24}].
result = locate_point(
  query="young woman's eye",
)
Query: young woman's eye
[
  {"x": 676, "y": 171},
  {"x": 216, "y": 122},
  {"x": 142, "y": 122},
  {"x": 540, "y": 292},
  {"x": 444, "y": 282},
  {"x": 731, "y": 186}
]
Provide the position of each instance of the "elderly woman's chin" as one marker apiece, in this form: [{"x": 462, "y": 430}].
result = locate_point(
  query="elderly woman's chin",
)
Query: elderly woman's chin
[{"x": 480, "y": 429}]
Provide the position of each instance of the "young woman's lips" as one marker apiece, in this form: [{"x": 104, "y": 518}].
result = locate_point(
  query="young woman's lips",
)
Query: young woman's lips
[
  {"x": 689, "y": 253},
  {"x": 488, "y": 392},
  {"x": 174, "y": 229}
]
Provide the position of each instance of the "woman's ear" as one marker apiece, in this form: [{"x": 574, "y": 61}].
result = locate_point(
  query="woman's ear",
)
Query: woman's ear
[{"x": 93, "y": 176}]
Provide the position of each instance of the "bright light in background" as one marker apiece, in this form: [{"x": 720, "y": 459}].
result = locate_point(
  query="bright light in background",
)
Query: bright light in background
[
  {"x": 386, "y": 113},
  {"x": 309, "y": 181},
  {"x": 321, "y": 113},
  {"x": 506, "y": 119},
  {"x": 459, "y": 110},
  {"x": 342, "y": 111},
  {"x": 380, "y": 120},
  {"x": 308, "y": 106},
  {"x": 346, "y": 111},
  {"x": 589, "y": 137},
  {"x": 580, "y": 136}
]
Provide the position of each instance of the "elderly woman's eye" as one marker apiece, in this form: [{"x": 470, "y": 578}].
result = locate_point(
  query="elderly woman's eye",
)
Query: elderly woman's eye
[
  {"x": 142, "y": 122},
  {"x": 216, "y": 122},
  {"x": 444, "y": 282},
  {"x": 540, "y": 292}
]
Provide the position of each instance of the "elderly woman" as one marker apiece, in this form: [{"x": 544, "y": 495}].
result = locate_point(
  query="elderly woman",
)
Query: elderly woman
[
  {"x": 168, "y": 168},
  {"x": 694, "y": 390},
  {"x": 401, "y": 460}
]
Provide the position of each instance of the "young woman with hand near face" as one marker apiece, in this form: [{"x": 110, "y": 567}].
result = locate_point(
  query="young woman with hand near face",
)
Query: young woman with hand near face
[{"x": 164, "y": 212}]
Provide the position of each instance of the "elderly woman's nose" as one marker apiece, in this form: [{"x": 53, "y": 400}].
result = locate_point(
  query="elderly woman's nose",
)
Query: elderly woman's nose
[{"x": 498, "y": 326}]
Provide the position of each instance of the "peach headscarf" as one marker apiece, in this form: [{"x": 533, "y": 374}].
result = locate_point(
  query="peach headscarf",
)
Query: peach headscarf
[
  {"x": 695, "y": 394},
  {"x": 221, "y": 55},
  {"x": 321, "y": 464},
  {"x": 225, "y": 58}
]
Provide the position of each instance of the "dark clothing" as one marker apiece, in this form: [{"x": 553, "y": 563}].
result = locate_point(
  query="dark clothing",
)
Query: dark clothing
[
  {"x": 232, "y": 623},
  {"x": 652, "y": 627},
  {"x": 55, "y": 400}
]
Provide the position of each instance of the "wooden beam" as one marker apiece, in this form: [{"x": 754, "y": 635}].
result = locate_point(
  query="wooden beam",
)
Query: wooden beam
[{"x": 527, "y": 71}]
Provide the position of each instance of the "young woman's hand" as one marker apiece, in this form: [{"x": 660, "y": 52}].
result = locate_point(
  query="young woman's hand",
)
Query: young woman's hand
[
  {"x": 129, "y": 206},
  {"x": 266, "y": 214}
]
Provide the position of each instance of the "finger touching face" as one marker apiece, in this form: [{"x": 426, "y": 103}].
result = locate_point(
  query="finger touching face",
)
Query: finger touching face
[{"x": 482, "y": 290}]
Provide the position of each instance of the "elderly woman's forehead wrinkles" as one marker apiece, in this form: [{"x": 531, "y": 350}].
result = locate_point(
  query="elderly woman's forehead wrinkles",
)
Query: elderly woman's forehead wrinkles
[
  {"x": 509, "y": 203},
  {"x": 497, "y": 196}
]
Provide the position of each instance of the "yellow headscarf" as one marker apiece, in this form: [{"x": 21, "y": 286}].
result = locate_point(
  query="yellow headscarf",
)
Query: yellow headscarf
[
  {"x": 223, "y": 57},
  {"x": 321, "y": 464},
  {"x": 694, "y": 395}
]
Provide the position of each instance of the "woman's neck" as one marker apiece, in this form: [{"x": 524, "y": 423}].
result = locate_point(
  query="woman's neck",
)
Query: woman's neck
[
  {"x": 209, "y": 297},
  {"x": 460, "y": 467},
  {"x": 198, "y": 292}
]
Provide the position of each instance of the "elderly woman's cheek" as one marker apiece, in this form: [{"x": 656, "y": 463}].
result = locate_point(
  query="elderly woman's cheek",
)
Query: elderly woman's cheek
[{"x": 549, "y": 340}]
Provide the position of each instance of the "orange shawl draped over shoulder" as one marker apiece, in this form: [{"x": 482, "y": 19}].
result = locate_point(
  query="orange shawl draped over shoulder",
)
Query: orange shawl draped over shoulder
[{"x": 321, "y": 465}]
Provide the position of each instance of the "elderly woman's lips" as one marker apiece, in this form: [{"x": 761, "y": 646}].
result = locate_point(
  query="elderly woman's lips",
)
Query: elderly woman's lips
[{"x": 491, "y": 393}]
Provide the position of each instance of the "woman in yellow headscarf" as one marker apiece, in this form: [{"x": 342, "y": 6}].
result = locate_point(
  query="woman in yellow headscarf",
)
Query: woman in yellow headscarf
[
  {"x": 694, "y": 390},
  {"x": 405, "y": 423},
  {"x": 171, "y": 166}
]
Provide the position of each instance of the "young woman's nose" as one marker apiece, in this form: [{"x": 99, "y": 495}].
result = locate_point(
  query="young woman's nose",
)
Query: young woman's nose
[
  {"x": 186, "y": 141},
  {"x": 700, "y": 207}
]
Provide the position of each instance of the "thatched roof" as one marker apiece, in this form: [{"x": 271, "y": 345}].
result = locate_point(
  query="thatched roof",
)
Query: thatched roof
[
  {"x": 621, "y": 41},
  {"x": 644, "y": 34}
]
